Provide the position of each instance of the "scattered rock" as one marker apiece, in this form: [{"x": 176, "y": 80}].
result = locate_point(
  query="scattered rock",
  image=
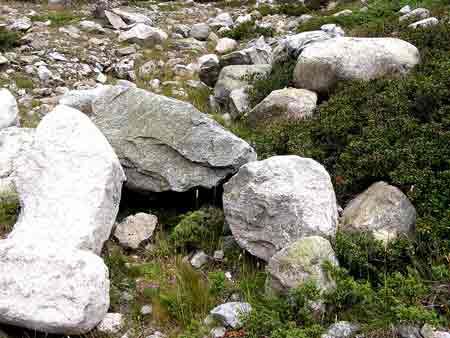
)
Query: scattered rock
[
  {"x": 199, "y": 259},
  {"x": 272, "y": 203},
  {"x": 417, "y": 14},
  {"x": 209, "y": 69},
  {"x": 382, "y": 210},
  {"x": 111, "y": 324},
  {"x": 341, "y": 330},
  {"x": 218, "y": 332},
  {"x": 145, "y": 35},
  {"x": 424, "y": 23},
  {"x": 135, "y": 229},
  {"x": 345, "y": 12},
  {"x": 226, "y": 45},
  {"x": 200, "y": 31},
  {"x": 284, "y": 104},
  {"x": 146, "y": 310},
  {"x": 230, "y": 313},
  {"x": 405, "y": 9}
]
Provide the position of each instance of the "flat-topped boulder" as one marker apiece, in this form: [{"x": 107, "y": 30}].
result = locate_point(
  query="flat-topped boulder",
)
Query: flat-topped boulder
[{"x": 166, "y": 144}]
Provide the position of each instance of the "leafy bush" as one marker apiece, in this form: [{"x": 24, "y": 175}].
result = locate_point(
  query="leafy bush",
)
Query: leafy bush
[
  {"x": 8, "y": 39},
  {"x": 199, "y": 229},
  {"x": 291, "y": 9},
  {"x": 247, "y": 31}
]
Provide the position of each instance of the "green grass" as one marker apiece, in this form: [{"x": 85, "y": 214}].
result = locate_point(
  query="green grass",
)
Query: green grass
[{"x": 58, "y": 18}]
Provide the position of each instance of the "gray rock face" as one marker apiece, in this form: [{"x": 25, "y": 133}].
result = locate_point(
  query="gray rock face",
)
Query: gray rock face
[
  {"x": 382, "y": 210},
  {"x": 69, "y": 181},
  {"x": 9, "y": 111},
  {"x": 230, "y": 313},
  {"x": 166, "y": 144},
  {"x": 272, "y": 203},
  {"x": 321, "y": 65},
  {"x": 226, "y": 45},
  {"x": 288, "y": 103},
  {"x": 135, "y": 229},
  {"x": 301, "y": 262},
  {"x": 236, "y": 77}
]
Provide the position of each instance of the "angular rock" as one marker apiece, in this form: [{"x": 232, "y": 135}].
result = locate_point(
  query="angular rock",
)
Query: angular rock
[
  {"x": 272, "y": 203},
  {"x": 9, "y": 111},
  {"x": 135, "y": 229},
  {"x": 323, "y": 64},
  {"x": 288, "y": 104},
  {"x": 91, "y": 26},
  {"x": 166, "y": 144},
  {"x": 230, "y": 313},
  {"x": 382, "y": 210},
  {"x": 131, "y": 16},
  {"x": 144, "y": 35},
  {"x": 299, "y": 263},
  {"x": 115, "y": 20}
]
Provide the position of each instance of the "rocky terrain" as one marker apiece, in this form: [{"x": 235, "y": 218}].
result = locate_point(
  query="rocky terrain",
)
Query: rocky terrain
[{"x": 254, "y": 169}]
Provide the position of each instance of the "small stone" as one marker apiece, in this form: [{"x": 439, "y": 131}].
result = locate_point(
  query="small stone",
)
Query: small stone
[
  {"x": 146, "y": 310},
  {"x": 200, "y": 31},
  {"x": 112, "y": 323},
  {"x": 136, "y": 229},
  {"x": 345, "y": 12},
  {"x": 424, "y": 23},
  {"x": 199, "y": 259}
]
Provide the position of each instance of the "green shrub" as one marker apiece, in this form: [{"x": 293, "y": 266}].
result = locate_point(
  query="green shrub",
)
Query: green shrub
[
  {"x": 291, "y": 9},
  {"x": 57, "y": 18},
  {"x": 247, "y": 31},
  {"x": 199, "y": 229},
  {"x": 8, "y": 39}
]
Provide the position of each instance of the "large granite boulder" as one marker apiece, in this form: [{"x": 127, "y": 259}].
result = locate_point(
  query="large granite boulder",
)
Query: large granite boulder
[
  {"x": 300, "y": 263},
  {"x": 272, "y": 203},
  {"x": 382, "y": 210},
  {"x": 322, "y": 65},
  {"x": 166, "y": 144},
  {"x": 69, "y": 182}
]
